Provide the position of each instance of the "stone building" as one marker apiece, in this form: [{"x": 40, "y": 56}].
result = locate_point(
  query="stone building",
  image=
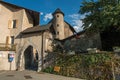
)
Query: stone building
[
  {"x": 13, "y": 20},
  {"x": 82, "y": 41},
  {"x": 20, "y": 26},
  {"x": 86, "y": 40},
  {"x": 57, "y": 28}
]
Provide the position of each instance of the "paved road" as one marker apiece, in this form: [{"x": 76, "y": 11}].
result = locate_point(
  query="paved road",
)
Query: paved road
[{"x": 31, "y": 75}]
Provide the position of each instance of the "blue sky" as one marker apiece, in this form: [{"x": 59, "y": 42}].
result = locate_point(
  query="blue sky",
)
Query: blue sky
[{"x": 47, "y": 7}]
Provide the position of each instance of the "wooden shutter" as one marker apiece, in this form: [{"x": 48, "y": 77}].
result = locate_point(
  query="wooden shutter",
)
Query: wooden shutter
[
  {"x": 9, "y": 24},
  {"x": 8, "y": 40},
  {"x": 16, "y": 23}
]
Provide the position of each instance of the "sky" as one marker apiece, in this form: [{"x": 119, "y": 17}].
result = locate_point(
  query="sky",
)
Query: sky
[{"x": 47, "y": 7}]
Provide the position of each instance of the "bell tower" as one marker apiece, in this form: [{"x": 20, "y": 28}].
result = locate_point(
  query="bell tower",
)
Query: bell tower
[{"x": 58, "y": 24}]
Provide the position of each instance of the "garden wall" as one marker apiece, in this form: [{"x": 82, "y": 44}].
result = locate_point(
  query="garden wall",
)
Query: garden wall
[{"x": 89, "y": 66}]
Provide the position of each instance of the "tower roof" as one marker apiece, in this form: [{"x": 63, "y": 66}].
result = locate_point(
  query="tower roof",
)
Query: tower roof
[{"x": 58, "y": 11}]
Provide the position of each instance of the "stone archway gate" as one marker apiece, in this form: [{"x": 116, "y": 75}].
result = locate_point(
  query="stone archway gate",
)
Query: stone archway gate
[{"x": 33, "y": 39}]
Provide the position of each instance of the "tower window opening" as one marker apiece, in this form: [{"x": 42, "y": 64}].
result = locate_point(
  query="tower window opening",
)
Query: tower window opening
[
  {"x": 57, "y": 15},
  {"x": 57, "y": 25},
  {"x": 57, "y": 32}
]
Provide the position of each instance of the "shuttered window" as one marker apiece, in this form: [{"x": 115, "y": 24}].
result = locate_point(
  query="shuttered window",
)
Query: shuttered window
[
  {"x": 10, "y": 40},
  {"x": 12, "y": 24}
]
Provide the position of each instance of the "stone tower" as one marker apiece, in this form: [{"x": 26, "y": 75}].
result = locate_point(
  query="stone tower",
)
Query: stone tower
[{"x": 58, "y": 24}]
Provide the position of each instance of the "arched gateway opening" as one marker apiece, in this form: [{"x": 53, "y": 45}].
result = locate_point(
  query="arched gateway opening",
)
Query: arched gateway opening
[{"x": 30, "y": 58}]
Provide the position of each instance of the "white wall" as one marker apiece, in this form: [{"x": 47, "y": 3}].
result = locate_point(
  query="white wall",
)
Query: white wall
[{"x": 4, "y": 63}]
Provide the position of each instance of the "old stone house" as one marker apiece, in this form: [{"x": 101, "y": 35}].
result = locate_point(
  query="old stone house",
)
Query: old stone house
[
  {"x": 57, "y": 28},
  {"x": 85, "y": 40},
  {"x": 13, "y": 20},
  {"x": 82, "y": 41},
  {"x": 20, "y": 26}
]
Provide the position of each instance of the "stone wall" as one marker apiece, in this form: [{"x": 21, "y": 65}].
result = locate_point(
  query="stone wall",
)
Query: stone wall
[
  {"x": 5, "y": 16},
  {"x": 24, "y": 20},
  {"x": 82, "y": 42},
  {"x": 67, "y": 31},
  {"x": 34, "y": 40}
]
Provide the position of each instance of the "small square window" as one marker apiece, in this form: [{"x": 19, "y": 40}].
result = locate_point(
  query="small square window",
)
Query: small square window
[
  {"x": 57, "y": 32},
  {"x": 10, "y": 40},
  {"x": 12, "y": 24},
  {"x": 57, "y": 15},
  {"x": 57, "y": 25}
]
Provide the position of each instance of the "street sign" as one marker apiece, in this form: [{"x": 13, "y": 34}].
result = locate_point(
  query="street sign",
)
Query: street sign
[
  {"x": 57, "y": 68},
  {"x": 10, "y": 57}
]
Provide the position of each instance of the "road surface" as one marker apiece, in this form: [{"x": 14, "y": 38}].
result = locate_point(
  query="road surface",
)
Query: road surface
[{"x": 31, "y": 75}]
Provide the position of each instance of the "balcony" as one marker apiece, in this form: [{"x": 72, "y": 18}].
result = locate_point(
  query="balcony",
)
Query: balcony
[{"x": 7, "y": 47}]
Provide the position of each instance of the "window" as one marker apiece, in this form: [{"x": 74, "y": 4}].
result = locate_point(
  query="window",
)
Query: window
[
  {"x": 57, "y": 25},
  {"x": 57, "y": 32},
  {"x": 57, "y": 15},
  {"x": 10, "y": 40},
  {"x": 12, "y": 24}
]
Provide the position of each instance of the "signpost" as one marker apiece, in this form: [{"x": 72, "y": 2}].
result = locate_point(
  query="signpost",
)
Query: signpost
[{"x": 10, "y": 59}]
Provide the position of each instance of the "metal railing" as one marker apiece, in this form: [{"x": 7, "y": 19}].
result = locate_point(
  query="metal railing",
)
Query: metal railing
[{"x": 7, "y": 47}]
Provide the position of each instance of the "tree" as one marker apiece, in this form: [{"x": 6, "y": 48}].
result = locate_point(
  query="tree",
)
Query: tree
[{"x": 101, "y": 15}]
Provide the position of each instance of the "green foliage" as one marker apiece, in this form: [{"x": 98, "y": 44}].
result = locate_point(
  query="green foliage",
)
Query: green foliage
[
  {"x": 101, "y": 15},
  {"x": 90, "y": 66},
  {"x": 96, "y": 58},
  {"x": 49, "y": 69}
]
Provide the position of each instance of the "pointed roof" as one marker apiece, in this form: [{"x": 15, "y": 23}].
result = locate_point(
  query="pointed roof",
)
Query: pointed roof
[{"x": 58, "y": 11}]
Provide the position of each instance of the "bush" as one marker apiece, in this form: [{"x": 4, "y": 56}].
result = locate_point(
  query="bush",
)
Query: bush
[
  {"x": 49, "y": 69},
  {"x": 88, "y": 66}
]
